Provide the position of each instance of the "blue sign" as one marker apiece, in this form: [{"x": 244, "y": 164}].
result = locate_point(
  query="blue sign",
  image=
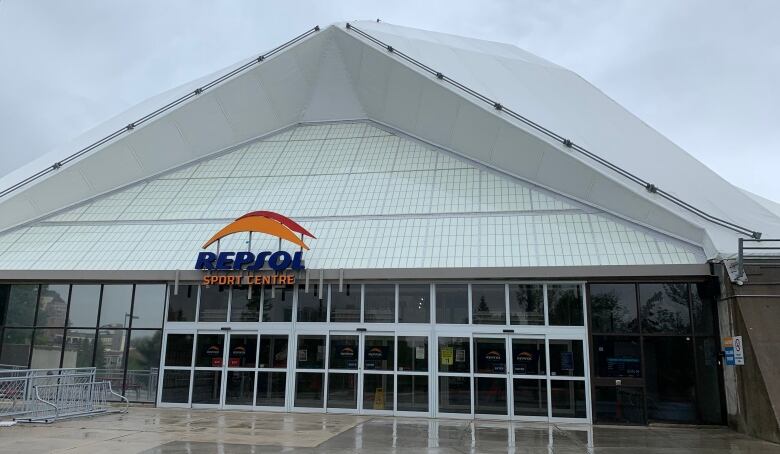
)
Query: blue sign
[
  {"x": 729, "y": 351},
  {"x": 567, "y": 361}
]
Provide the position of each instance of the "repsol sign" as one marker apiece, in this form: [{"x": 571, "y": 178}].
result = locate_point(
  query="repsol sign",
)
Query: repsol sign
[
  {"x": 266, "y": 222},
  {"x": 245, "y": 260}
]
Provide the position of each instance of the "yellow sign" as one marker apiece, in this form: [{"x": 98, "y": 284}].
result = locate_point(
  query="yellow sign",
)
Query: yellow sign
[
  {"x": 446, "y": 356},
  {"x": 379, "y": 399}
]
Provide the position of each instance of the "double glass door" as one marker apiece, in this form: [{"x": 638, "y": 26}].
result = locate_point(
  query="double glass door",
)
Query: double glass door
[
  {"x": 361, "y": 372},
  {"x": 510, "y": 375},
  {"x": 225, "y": 364}
]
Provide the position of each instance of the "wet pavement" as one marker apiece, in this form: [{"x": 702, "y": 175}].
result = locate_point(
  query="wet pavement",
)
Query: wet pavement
[{"x": 167, "y": 431}]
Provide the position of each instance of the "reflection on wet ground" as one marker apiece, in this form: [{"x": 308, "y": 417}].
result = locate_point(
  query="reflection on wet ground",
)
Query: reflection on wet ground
[{"x": 166, "y": 431}]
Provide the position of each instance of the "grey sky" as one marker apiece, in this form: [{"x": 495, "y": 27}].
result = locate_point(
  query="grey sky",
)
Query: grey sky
[{"x": 704, "y": 73}]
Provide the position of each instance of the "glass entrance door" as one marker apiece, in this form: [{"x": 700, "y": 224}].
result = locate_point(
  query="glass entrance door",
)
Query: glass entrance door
[
  {"x": 225, "y": 365},
  {"x": 510, "y": 376},
  {"x": 209, "y": 368},
  {"x": 360, "y": 373},
  {"x": 239, "y": 369},
  {"x": 528, "y": 376}
]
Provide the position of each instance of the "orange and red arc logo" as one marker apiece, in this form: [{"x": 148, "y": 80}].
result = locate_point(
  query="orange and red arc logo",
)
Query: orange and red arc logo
[{"x": 265, "y": 222}]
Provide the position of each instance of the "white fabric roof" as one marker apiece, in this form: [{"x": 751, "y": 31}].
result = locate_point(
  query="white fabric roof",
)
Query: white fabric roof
[
  {"x": 373, "y": 199},
  {"x": 336, "y": 74}
]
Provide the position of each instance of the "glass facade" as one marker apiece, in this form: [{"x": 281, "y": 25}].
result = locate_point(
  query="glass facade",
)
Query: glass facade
[
  {"x": 655, "y": 353},
  {"x": 488, "y": 349},
  {"x": 116, "y": 328}
]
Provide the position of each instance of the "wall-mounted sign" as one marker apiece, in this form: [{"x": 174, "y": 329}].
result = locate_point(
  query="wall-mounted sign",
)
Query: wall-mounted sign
[
  {"x": 266, "y": 222},
  {"x": 734, "y": 351},
  {"x": 447, "y": 356}
]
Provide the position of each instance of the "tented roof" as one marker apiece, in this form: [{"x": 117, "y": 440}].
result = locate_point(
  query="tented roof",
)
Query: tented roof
[
  {"x": 372, "y": 197},
  {"x": 338, "y": 74}
]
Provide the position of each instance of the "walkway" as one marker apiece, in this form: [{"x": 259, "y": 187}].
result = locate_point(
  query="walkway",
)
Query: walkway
[{"x": 158, "y": 431}]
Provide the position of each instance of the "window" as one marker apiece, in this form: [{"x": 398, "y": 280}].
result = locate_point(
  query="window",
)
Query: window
[
  {"x": 489, "y": 356},
  {"x": 181, "y": 307},
  {"x": 412, "y": 353},
  {"x": 243, "y": 306},
  {"x": 379, "y": 305},
  {"x": 53, "y": 306},
  {"x": 665, "y": 308},
  {"x": 670, "y": 379},
  {"x": 208, "y": 350},
  {"x": 528, "y": 357},
  {"x": 705, "y": 311},
  {"x": 488, "y": 303},
  {"x": 148, "y": 306},
  {"x": 84, "y": 305},
  {"x": 613, "y": 308},
  {"x": 79, "y": 347},
  {"x": 143, "y": 361},
  {"x": 16, "y": 346},
  {"x": 454, "y": 354},
  {"x": 565, "y": 305},
  {"x": 345, "y": 305},
  {"x": 452, "y": 303},
  {"x": 413, "y": 393},
  {"x": 566, "y": 358},
  {"x": 312, "y": 306},
  {"x": 273, "y": 351},
  {"x": 454, "y": 394},
  {"x": 213, "y": 303},
  {"x": 176, "y": 386},
  {"x": 47, "y": 348},
  {"x": 17, "y": 306},
  {"x": 344, "y": 352},
  {"x": 530, "y": 397},
  {"x": 110, "y": 353},
  {"x": 178, "y": 350},
  {"x": 617, "y": 356},
  {"x": 243, "y": 351},
  {"x": 568, "y": 398},
  {"x": 277, "y": 304},
  {"x": 311, "y": 352},
  {"x": 414, "y": 303},
  {"x": 526, "y": 304},
  {"x": 115, "y": 307}
]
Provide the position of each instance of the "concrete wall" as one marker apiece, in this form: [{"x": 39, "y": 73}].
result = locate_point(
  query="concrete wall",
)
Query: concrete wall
[{"x": 753, "y": 312}]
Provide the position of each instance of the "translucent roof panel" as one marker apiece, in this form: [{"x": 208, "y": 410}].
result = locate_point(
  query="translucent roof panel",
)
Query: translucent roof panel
[{"x": 374, "y": 199}]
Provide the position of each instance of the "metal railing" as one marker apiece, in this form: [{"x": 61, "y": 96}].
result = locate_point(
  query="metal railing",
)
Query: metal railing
[
  {"x": 650, "y": 187},
  {"x": 131, "y": 126},
  {"x": 70, "y": 400},
  {"x": 17, "y": 387},
  {"x": 760, "y": 252}
]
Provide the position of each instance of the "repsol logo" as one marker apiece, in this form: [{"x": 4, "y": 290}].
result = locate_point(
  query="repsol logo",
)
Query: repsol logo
[{"x": 224, "y": 261}]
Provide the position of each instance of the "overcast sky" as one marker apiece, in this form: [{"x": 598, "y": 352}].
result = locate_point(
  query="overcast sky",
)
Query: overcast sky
[{"x": 704, "y": 73}]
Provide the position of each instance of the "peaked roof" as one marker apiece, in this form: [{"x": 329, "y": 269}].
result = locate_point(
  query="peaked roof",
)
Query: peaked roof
[
  {"x": 371, "y": 197},
  {"x": 337, "y": 74}
]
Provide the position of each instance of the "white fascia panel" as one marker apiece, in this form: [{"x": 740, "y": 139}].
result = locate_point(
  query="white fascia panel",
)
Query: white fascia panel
[
  {"x": 372, "y": 80},
  {"x": 566, "y": 174},
  {"x": 247, "y": 106},
  {"x": 16, "y": 210},
  {"x": 203, "y": 125},
  {"x": 403, "y": 104},
  {"x": 114, "y": 163},
  {"x": 333, "y": 95},
  {"x": 159, "y": 146},
  {"x": 475, "y": 130},
  {"x": 437, "y": 113},
  {"x": 61, "y": 189},
  {"x": 519, "y": 151},
  {"x": 285, "y": 84}
]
